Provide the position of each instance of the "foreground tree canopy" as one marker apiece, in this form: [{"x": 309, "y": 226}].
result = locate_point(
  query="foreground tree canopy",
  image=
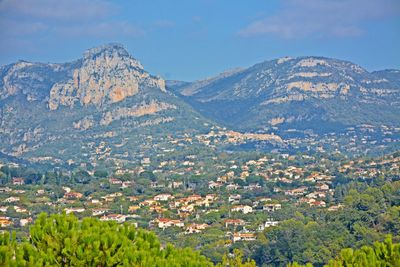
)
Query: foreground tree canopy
[
  {"x": 382, "y": 254},
  {"x": 63, "y": 240}
]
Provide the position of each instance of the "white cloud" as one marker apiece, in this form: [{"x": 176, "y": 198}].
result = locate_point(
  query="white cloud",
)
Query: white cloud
[
  {"x": 21, "y": 19},
  {"x": 305, "y": 18},
  {"x": 57, "y": 9}
]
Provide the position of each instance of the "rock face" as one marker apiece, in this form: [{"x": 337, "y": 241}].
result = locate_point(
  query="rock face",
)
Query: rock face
[
  {"x": 304, "y": 92},
  {"x": 136, "y": 111},
  {"x": 31, "y": 80},
  {"x": 108, "y": 74}
]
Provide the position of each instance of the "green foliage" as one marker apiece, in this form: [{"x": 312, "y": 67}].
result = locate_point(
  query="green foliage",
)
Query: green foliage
[
  {"x": 236, "y": 260},
  {"x": 101, "y": 173},
  {"x": 303, "y": 242},
  {"x": 63, "y": 240},
  {"x": 316, "y": 236},
  {"x": 295, "y": 264},
  {"x": 380, "y": 254}
]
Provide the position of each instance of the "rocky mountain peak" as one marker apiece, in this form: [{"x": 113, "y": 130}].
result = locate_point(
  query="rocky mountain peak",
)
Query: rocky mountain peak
[
  {"x": 109, "y": 52},
  {"x": 110, "y": 48},
  {"x": 107, "y": 74}
]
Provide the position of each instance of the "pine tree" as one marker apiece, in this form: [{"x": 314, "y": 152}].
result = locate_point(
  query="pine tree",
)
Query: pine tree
[{"x": 63, "y": 240}]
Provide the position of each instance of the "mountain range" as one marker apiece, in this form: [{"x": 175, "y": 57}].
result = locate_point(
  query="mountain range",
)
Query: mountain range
[
  {"x": 66, "y": 111},
  {"x": 304, "y": 93}
]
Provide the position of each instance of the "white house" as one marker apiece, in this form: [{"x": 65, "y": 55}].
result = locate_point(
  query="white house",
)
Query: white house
[
  {"x": 71, "y": 210},
  {"x": 163, "y": 197},
  {"x": 267, "y": 224},
  {"x": 243, "y": 237},
  {"x": 234, "y": 198},
  {"x": 98, "y": 212},
  {"x": 165, "y": 223},
  {"x": 20, "y": 209},
  {"x": 242, "y": 208},
  {"x": 3, "y": 208},
  {"x": 11, "y": 199},
  {"x": 24, "y": 222},
  {"x": 270, "y": 207},
  {"x": 119, "y": 218}
]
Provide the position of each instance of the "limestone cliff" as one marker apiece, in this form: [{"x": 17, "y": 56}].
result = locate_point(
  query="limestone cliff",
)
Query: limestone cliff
[
  {"x": 136, "y": 111},
  {"x": 30, "y": 80},
  {"x": 107, "y": 74}
]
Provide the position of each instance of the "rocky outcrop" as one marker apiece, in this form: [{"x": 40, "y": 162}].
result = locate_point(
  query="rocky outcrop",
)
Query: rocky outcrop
[
  {"x": 137, "y": 111},
  {"x": 311, "y": 62},
  {"x": 84, "y": 124},
  {"x": 107, "y": 74},
  {"x": 9, "y": 88},
  {"x": 31, "y": 80},
  {"x": 276, "y": 121}
]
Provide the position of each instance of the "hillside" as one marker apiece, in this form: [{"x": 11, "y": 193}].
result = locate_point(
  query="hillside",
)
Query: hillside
[{"x": 303, "y": 93}]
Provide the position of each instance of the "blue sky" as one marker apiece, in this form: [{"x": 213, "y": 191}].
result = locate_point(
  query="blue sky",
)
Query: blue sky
[{"x": 188, "y": 40}]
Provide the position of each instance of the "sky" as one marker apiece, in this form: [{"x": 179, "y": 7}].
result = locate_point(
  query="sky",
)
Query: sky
[{"x": 193, "y": 39}]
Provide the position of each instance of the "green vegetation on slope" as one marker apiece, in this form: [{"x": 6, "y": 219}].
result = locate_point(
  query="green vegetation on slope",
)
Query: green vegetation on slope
[
  {"x": 381, "y": 254},
  {"x": 371, "y": 212}
]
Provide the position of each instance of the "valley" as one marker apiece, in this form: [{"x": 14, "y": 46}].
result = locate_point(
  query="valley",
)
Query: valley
[{"x": 290, "y": 160}]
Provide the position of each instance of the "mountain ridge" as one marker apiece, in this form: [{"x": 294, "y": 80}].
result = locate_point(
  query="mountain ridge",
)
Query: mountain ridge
[
  {"x": 105, "y": 104},
  {"x": 316, "y": 86}
]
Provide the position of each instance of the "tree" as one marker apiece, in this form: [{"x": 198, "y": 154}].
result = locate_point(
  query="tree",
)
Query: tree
[
  {"x": 100, "y": 173},
  {"x": 236, "y": 260},
  {"x": 381, "y": 254},
  {"x": 64, "y": 240}
]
